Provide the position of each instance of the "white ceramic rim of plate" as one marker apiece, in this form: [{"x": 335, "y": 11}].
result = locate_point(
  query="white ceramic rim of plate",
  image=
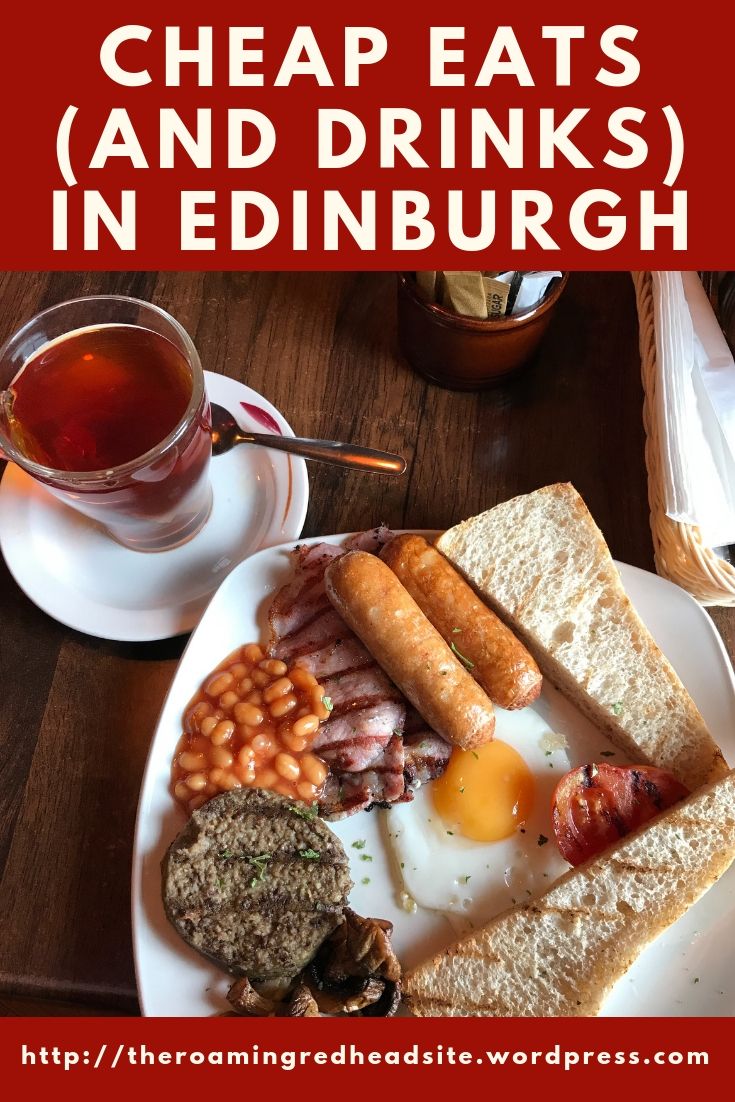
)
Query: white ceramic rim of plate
[
  {"x": 80, "y": 611},
  {"x": 140, "y": 920}
]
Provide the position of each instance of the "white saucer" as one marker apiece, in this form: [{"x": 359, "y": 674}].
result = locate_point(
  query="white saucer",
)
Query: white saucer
[{"x": 81, "y": 577}]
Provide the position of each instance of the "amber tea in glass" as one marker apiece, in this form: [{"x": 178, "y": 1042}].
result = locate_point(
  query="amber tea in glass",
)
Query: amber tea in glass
[{"x": 112, "y": 417}]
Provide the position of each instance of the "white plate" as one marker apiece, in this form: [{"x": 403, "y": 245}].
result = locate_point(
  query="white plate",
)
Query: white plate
[
  {"x": 174, "y": 980},
  {"x": 84, "y": 579}
]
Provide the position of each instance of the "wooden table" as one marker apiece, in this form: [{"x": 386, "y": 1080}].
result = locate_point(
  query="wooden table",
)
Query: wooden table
[{"x": 78, "y": 713}]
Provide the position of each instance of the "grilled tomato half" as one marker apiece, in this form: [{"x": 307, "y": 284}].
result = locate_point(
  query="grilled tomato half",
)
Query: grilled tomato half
[{"x": 596, "y": 805}]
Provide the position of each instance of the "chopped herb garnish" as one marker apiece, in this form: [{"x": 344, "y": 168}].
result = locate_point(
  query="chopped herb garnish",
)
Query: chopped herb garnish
[
  {"x": 365, "y": 857},
  {"x": 310, "y": 854},
  {"x": 465, "y": 879},
  {"x": 607, "y": 753},
  {"x": 462, "y": 789},
  {"x": 475, "y": 755},
  {"x": 617, "y": 708},
  {"x": 466, "y": 662},
  {"x": 365, "y": 880},
  {"x": 327, "y": 702},
  {"x": 542, "y": 839},
  {"x": 402, "y": 865},
  {"x": 396, "y": 732},
  {"x": 696, "y": 979},
  {"x": 304, "y": 812},
  {"x": 456, "y": 631},
  {"x": 359, "y": 844},
  {"x": 450, "y": 833},
  {"x": 548, "y": 753},
  {"x": 261, "y": 864}
]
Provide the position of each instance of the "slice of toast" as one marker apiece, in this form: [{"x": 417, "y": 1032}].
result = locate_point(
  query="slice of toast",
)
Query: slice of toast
[
  {"x": 543, "y": 566},
  {"x": 560, "y": 954}
]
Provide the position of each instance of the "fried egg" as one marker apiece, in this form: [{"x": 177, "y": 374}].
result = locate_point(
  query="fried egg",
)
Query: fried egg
[{"x": 479, "y": 839}]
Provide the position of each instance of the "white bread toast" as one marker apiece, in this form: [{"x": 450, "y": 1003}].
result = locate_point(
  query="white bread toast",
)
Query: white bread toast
[
  {"x": 559, "y": 955},
  {"x": 541, "y": 563}
]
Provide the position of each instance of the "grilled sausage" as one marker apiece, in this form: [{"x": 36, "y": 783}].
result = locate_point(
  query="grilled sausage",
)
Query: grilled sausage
[
  {"x": 369, "y": 597},
  {"x": 497, "y": 660}
]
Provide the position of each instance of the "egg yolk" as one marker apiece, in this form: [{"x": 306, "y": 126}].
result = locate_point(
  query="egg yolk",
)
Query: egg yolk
[{"x": 485, "y": 794}]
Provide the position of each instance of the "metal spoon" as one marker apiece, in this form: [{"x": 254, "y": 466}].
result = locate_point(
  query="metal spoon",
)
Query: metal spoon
[{"x": 226, "y": 433}]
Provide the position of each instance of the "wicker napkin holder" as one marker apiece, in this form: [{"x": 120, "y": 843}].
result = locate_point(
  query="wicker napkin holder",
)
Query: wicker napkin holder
[{"x": 679, "y": 552}]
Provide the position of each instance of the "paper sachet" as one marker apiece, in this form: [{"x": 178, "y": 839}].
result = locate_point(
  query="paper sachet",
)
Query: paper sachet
[{"x": 486, "y": 295}]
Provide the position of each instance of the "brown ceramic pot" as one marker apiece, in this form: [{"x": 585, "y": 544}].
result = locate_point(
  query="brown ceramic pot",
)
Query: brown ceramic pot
[{"x": 464, "y": 353}]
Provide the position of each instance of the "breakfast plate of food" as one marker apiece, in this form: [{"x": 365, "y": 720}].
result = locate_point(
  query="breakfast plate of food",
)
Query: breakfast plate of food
[{"x": 481, "y": 772}]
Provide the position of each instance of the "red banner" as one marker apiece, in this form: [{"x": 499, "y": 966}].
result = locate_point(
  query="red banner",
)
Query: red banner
[
  {"x": 167, "y": 136},
  {"x": 118, "y": 1056}
]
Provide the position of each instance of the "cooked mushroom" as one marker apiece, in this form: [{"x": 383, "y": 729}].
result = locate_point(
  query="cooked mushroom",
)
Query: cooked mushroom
[
  {"x": 358, "y": 965},
  {"x": 387, "y": 1005},
  {"x": 371, "y": 993},
  {"x": 302, "y": 1003},
  {"x": 359, "y": 947},
  {"x": 276, "y": 990},
  {"x": 246, "y": 1000}
]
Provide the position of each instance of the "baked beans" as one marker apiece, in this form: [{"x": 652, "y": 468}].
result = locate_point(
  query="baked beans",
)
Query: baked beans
[{"x": 252, "y": 723}]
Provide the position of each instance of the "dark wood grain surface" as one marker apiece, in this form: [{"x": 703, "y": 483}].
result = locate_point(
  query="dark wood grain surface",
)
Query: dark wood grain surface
[{"x": 77, "y": 714}]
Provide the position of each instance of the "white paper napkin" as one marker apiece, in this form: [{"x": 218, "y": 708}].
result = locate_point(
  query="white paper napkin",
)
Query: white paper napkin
[{"x": 696, "y": 408}]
